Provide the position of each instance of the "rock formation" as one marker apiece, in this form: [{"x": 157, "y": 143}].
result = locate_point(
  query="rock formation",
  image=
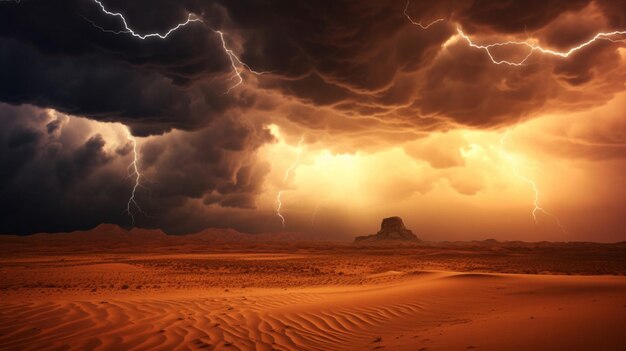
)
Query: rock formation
[{"x": 391, "y": 229}]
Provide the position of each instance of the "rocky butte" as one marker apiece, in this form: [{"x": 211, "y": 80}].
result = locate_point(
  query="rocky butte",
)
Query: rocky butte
[{"x": 391, "y": 229}]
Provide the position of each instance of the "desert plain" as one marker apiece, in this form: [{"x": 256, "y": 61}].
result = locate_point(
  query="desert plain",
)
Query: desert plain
[{"x": 113, "y": 289}]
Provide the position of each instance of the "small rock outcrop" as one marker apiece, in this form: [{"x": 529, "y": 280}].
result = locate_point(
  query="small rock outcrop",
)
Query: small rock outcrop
[{"x": 391, "y": 229}]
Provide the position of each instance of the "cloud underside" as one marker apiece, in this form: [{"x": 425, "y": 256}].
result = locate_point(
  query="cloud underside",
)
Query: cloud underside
[{"x": 351, "y": 75}]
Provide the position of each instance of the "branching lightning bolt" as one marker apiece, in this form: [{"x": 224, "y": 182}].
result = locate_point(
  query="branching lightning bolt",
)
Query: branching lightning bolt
[
  {"x": 537, "y": 207},
  {"x": 191, "y": 18},
  {"x": 419, "y": 24},
  {"x": 295, "y": 163},
  {"x": 132, "y": 207},
  {"x": 279, "y": 203},
  {"x": 533, "y": 47},
  {"x": 235, "y": 62},
  {"x": 536, "y": 48},
  {"x": 238, "y": 66}
]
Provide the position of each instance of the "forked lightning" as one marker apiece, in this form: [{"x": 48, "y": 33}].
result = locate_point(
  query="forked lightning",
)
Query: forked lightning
[
  {"x": 279, "y": 203},
  {"x": 536, "y": 204}
]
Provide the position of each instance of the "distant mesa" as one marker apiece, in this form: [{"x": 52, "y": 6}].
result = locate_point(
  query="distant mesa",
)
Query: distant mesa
[{"x": 391, "y": 229}]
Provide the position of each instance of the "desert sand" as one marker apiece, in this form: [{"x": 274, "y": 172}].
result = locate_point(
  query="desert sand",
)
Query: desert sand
[{"x": 114, "y": 290}]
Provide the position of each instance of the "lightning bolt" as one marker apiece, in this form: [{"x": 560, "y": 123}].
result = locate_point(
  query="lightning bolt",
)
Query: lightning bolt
[
  {"x": 316, "y": 211},
  {"x": 533, "y": 47},
  {"x": 295, "y": 163},
  {"x": 536, "y": 204},
  {"x": 536, "y": 48},
  {"x": 238, "y": 66},
  {"x": 279, "y": 203},
  {"x": 191, "y": 18},
  {"x": 132, "y": 207},
  {"x": 419, "y": 24}
]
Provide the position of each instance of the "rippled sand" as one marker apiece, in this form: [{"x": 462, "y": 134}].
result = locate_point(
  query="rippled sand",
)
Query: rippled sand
[{"x": 317, "y": 298}]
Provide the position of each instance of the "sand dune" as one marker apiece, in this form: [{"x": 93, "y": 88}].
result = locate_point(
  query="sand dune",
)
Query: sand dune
[
  {"x": 429, "y": 311},
  {"x": 149, "y": 291}
]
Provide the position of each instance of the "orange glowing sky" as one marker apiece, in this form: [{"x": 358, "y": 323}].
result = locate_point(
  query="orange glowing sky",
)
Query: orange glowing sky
[{"x": 462, "y": 183}]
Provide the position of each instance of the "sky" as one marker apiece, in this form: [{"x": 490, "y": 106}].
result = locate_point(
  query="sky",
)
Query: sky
[{"x": 469, "y": 119}]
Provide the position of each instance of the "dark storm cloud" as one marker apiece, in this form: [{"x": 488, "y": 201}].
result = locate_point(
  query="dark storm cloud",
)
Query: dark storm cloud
[
  {"x": 68, "y": 176},
  {"x": 49, "y": 183},
  {"x": 363, "y": 58},
  {"x": 216, "y": 166},
  {"x": 355, "y": 69},
  {"x": 73, "y": 177},
  {"x": 217, "y": 162},
  {"x": 52, "y": 56},
  {"x": 511, "y": 16}
]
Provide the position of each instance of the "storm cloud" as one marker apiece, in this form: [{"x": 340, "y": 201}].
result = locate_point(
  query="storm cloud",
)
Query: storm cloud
[{"x": 350, "y": 75}]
